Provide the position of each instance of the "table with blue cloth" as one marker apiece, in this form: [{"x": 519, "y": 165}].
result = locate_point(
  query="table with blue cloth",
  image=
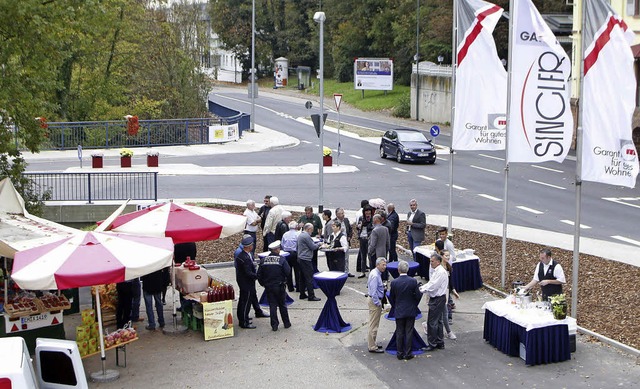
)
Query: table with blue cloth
[
  {"x": 531, "y": 333},
  {"x": 466, "y": 268},
  {"x": 417, "y": 343},
  {"x": 392, "y": 267},
  {"x": 264, "y": 301},
  {"x": 331, "y": 282}
]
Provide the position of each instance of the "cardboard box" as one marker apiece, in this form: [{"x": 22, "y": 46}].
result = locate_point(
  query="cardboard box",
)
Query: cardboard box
[
  {"x": 88, "y": 316},
  {"x": 83, "y": 333}
]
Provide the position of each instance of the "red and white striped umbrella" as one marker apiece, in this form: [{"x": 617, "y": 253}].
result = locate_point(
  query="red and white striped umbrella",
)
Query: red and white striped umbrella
[
  {"x": 183, "y": 223},
  {"x": 90, "y": 258}
]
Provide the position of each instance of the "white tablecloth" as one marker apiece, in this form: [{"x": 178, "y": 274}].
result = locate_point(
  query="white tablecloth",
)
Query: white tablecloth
[
  {"x": 529, "y": 318},
  {"x": 461, "y": 256}
]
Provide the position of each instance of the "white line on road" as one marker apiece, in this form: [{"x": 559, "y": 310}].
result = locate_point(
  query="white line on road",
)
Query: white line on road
[
  {"x": 491, "y": 156},
  {"x": 458, "y": 187},
  {"x": 305, "y": 141},
  {"x": 355, "y": 156},
  {"x": 572, "y": 223},
  {"x": 426, "y": 178},
  {"x": 377, "y": 163},
  {"x": 619, "y": 200},
  {"x": 485, "y": 169},
  {"x": 534, "y": 211},
  {"x": 545, "y": 184},
  {"x": 547, "y": 168},
  {"x": 355, "y": 290},
  {"x": 622, "y": 238},
  {"x": 400, "y": 170},
  {"x": 486, "y": 196}
]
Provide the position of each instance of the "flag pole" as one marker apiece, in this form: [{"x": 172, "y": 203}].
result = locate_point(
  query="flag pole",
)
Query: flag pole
[
  {"x": 503, "y": 269},
  {"x": 454, "y": 67},
  {"x": 579, "y": 135}
]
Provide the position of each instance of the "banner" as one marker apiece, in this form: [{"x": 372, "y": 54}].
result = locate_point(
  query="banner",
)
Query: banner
[
  {"x": 481, "y": 80},
  {"x": 373, "y": 73},
  {"x": 540, "y": 120},
  {"x": 224, "y": 133},
  {"x": 217, "y": 319},
  {"x": 608, "y": 98}
]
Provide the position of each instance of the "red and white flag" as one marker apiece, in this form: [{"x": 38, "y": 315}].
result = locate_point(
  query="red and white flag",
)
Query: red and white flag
[
  {"x": 481, "y": 80},
  {"x": 608, "y": 98},
  {"x": 540, "y": 120}
]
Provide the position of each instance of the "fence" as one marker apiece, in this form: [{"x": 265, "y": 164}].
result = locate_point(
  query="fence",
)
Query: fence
[{"x": 96, "y": 186}]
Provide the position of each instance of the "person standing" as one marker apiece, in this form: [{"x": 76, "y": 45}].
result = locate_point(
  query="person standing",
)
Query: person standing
[
  {"x": 306, "y": 249},
  {"x": 376, "y": 292},
  {"x": 251, "y": 227},
  {"x": 246, "y": 278},
  {"x": 416, "y": 223},
  {"x": 283, "y": 225},
  {"x": 310, "y": 217},
  {"x": 290, "y": 245},
  {"x": 548, "y": 274},
  {"x": 136, "y": 294},
  {"x": 364, "y": 226},
  {"x": 436, "y": 288},
  {"x": 443, "y": 236},
  {"x": 263, "y": 212},
  {"x": 404, "y": 297},
  {"x": 378, "y": 245},
  {"x": 348, "y": 231},
  {"x": 447, "y": 313},
  {"x": 123, "y": 309},
  {"x": 152, "y": 285},
  {"x": 338, "y": 247},
  {"x": 394, "y": 223},
  {"x": 272, "y": 274},
  {"x": 273, "y": 217},
  {"x": 326, "y": 230}
]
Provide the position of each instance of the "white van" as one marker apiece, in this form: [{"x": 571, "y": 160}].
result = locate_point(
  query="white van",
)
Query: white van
[{"x": 58, "y": 365}]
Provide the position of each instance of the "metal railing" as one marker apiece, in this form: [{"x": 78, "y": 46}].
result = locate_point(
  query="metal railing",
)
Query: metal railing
[{"x": 96, "y": 186}]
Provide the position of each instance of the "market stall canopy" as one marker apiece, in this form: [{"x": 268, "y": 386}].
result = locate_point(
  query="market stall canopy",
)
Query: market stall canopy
[
  {"x": 183, "y": 223},
  {"x": 19, "y": 230},
  {"x": 90, "y": 258}
]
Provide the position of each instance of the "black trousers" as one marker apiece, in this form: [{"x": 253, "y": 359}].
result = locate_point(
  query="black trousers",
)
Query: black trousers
[
  {"x": 435, "y": 326},
  {"x": 277, "y": 296},
  {"x": 123, "y": 310},
  {"x": 393, "y": 254},
  {"x": 307, "y": 277},
  {"x": 244, "y": 305},
  {"x": 253, "y": 298},
  {"x": 294, "y": 275},
  {"x": 404, "y": 335},
  {"x": 361, "y": 266}
]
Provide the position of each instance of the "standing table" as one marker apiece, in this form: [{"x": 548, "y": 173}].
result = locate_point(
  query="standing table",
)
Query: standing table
[
  {"x": 331, "y": 282},
  {"x": 530, "y": 333},
  {"x": 466, "y": 268},
  {"x": 393, "y": 268}
]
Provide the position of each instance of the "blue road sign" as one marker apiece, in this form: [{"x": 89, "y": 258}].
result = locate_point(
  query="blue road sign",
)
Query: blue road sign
[{"x": 435, "y": 131}]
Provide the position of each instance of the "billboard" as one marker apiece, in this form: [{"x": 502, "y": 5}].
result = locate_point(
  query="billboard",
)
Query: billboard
[{"x": 373, "y": 73}]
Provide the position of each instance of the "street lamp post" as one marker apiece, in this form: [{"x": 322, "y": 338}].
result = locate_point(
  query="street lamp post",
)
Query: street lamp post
[{"x": 319, "y": 17}]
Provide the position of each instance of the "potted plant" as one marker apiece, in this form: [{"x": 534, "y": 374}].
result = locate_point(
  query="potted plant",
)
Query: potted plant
[
  {"x": 152, "y": 158},
  {"x": 327, "y": 159},
  {"x": 559, "y": 306},
  {"x": 125, "y": 157},
  {"x": 96, "y": 160}
]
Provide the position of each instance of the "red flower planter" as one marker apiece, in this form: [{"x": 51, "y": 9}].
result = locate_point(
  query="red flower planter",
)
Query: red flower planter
[
  {"x": 152, "y": 160},
  {"x": 96, "y": 161},
  {"x": 327, "y": 160},
  {"x": 125, "y": 161}
]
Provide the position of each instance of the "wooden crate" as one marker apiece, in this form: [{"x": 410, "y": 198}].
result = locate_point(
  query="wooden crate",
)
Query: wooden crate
[{"x": 108, "y": 317}]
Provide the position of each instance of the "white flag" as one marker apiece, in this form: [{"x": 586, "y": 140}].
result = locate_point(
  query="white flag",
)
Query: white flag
[
  {"x": 540, "y": 126},
  {"x": 481, "y": 80},
  {"x": 608, "y": 98}
]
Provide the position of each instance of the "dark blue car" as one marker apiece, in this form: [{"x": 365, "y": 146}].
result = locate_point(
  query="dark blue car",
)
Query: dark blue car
[{"x": 405, "y": 144}]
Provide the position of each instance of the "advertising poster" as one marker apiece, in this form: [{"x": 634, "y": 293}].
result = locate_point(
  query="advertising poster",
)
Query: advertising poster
[
  {"x": 226, "y": 133},
  {"x": 373, "y": 73},
  {"x": 217, "y": 319}
]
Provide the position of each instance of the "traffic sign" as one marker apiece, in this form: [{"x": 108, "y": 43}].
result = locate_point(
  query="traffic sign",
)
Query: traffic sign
[
  {"x": 337, "y": 98},
  {"x": 435, "y": 131},
  {"x": 308, "y": 105}
]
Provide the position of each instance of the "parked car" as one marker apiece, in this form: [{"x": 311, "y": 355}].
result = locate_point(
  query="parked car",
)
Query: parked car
[{"x": 405, "y": 144}]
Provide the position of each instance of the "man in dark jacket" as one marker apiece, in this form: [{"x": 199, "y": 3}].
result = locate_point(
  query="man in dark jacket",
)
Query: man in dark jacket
[
  {"x": 394, "y": 222},
  {"x": 272, "y": 274},
  {"x": 152, "y": 286},
  {"x": 246, "y": 278},
  {"x": 404, "y": 297}
]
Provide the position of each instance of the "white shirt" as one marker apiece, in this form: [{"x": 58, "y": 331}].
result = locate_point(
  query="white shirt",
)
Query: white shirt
[
  {"x": 410, "y": 219},
  {"x": 343, "y": 241},
  {"x": 558, "y": 273},
  {"x": 252, "y": 216},
  {"x": 438, "y": 283}
]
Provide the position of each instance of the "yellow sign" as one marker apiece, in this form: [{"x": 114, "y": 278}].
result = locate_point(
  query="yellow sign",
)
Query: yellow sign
[{"x": 218, "y": 319}]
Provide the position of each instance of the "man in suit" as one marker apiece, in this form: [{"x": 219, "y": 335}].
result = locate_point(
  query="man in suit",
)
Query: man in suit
[
  {"x": 394, "y": 222},
  {"x": 246, "y": 277},
  {"x": 379, "y": 241},
  {"x": 404, "y": 297},
  {"x": 416, "y": 223}
]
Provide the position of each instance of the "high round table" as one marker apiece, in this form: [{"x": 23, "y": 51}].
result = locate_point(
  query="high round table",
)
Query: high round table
[
  {"x": 392, "y": 267},
  {"x": 331, "y": 282}
]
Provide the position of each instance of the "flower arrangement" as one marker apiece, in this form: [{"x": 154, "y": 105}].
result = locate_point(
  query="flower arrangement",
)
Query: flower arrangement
[
  {"x": 43, "y": 122},
  {"x": 153, "y": 153},
  {"x": 559, "y": 306},
  {"x": 326, "y": 152},
  {"x": 132, "y": 125},
  {"x": 126, "y": 153},
  {"x": 97, "y": 155}
]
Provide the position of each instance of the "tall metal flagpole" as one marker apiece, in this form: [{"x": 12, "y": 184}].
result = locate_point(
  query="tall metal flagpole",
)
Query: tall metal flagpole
[
  {"x": 319, "y": 17},
  {"x": 576, "y": 227},
  {"x": 506, "y": 149},
  {"x": 252, "y": 74},
  {"x": 454, "y": 68}
]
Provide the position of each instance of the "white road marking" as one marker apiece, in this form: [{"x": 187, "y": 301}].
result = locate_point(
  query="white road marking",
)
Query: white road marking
[
  {"x": 486, "y": 196},
  {"x": 545, "y": 184},
  {"x": 547, "y": 168},
  {"x": 621, "y": 200},
  {"x": 491, "y": 156},
  {"x": 572, "y": 223},
  {"x": 458, "y": 187},
  {"x": 355, "y": 290},
  {"x": 426, "y": 178},
  {"x": 400, "y": 170},
  {"x": 377, "y": 163},
  {"x": 305, "y": 141},
  {"x": 534, "y": 211},
  {"x": 622, "y": 238},
  {"x": 485, "y": 169},
  {"x": 355, "y": 156}
]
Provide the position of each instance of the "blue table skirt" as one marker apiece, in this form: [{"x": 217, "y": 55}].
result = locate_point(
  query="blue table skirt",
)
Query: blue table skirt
[
  {"x": 264, "y": 301},
  {"x": 543, "y": 345},
  {"x": 330, "y": 319},
  {"x": 466, "y": 275},
  {"x": 417, "y": 343},
  {"x": 392, "y": 267}
]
